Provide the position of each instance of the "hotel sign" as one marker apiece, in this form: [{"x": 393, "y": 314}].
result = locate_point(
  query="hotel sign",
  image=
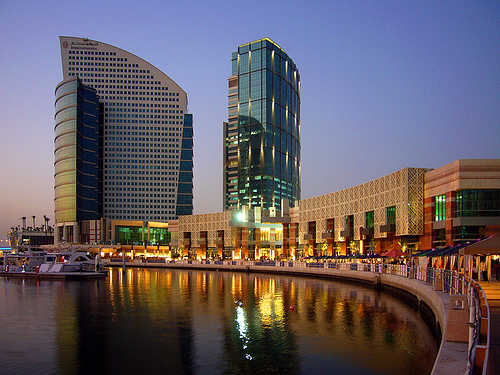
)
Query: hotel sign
[{"x": 84, "y": 44}]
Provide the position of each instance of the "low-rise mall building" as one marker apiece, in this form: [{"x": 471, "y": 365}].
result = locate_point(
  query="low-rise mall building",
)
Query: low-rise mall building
[{"x": 411, "y": 210}]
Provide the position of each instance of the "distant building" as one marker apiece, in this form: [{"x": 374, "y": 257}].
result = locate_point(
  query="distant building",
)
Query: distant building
[
  {"x": 145, "y": 143},
  {"x": 262, "y": 134},
  {"x": 31, "y": 235}
]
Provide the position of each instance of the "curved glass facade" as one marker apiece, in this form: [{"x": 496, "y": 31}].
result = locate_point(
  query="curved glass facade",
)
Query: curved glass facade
[
  {"x": 76, "y": 152},
  {"x": 262, "y": 136}
]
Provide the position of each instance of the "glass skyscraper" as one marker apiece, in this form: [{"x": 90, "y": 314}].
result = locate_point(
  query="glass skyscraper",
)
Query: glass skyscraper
[{"x": 262, "y": 134}]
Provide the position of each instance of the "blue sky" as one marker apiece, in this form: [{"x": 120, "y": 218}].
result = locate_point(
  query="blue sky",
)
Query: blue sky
[{"x": 385, "y": 84}]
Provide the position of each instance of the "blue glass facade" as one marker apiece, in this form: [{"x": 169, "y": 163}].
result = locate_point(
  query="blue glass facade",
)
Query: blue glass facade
[
  {"x": 185, "y": 186},
  {"x": 76, "y": 164},
  {"x": 266, "y": 129}
]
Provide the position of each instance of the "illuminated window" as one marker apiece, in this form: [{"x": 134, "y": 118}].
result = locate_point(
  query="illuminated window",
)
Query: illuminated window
[{"x": 440, "y": 208}]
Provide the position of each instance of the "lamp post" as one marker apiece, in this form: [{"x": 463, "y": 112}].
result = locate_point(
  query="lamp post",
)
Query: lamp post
[{"x": 46, "y": 223}]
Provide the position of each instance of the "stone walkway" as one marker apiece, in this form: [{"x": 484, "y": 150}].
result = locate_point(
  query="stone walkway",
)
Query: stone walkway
[{"x": 492, "y": 291}]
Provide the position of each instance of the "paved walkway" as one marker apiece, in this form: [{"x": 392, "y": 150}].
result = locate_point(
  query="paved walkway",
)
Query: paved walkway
[{"x": 492, "y": 291}]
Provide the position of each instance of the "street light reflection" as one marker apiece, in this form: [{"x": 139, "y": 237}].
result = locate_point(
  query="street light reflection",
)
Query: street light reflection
[{"x": 242, "y": 328}]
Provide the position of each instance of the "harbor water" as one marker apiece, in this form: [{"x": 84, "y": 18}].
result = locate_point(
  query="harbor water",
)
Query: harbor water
[{"x": 169, "y": 321}]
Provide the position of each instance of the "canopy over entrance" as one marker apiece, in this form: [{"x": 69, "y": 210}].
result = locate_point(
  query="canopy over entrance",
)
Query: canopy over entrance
[
  {"x": 394, "y": 253},
  {"x": 488, "y": 246}
]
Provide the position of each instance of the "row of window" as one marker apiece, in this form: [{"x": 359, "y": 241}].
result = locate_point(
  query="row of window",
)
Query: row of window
[
  {"x": 133, "y": 115},
  {"x": 164, "y": 206},
  {"x": 142, "y": 217},
  {"x": 97, "y": 53},
  {"x": 149, "y": 191},
  {"x": 369, "y": 220},
  {"x": 470, "y": 203},
  {"x": 82, "y": 69}
]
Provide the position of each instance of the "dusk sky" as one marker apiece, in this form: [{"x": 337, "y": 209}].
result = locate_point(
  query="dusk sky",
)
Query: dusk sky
[{"x": 385, "y": 84}]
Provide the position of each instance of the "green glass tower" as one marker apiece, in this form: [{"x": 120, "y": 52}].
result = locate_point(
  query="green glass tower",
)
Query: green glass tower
[{"x": 262, "y": 134}]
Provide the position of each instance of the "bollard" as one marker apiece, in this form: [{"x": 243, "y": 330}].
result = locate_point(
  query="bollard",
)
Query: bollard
[
  {"x": 457, "y": 329},
  {"x": 438, "y": 286},
  {"x": 412, "y": 273}
]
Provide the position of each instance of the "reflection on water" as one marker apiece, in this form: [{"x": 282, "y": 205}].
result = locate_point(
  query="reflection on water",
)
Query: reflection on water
[{"x": 201, "y": 322}]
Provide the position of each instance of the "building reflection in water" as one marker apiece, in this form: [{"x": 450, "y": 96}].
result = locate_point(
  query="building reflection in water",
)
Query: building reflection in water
[{"x": 178, "y": 321}]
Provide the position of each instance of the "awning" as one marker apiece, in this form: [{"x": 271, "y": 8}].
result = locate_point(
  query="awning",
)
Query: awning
[
  {"x": 395, "y": 253},
  {"x": 488, "y": 246}
]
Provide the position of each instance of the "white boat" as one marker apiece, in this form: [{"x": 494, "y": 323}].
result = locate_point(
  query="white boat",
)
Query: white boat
[
  {"x": 54, "y": 261},
  {"x": 23, "y": 259},
  {"x": 73, "y": 261}
]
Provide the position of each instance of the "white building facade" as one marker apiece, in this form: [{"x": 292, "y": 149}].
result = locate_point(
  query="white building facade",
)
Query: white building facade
[{"x": 146, "y": 139}]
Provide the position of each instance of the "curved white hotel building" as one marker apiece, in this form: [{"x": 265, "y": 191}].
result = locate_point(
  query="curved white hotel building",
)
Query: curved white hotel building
[{"x": 145, "y": 141}]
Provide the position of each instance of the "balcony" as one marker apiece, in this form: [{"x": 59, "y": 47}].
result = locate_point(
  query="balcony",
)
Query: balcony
[
  {"x": 219, "y": 241},
  {"x": 327, "y": 235},
  {"x": 476, "y": 221},
  {"x": 367, "y": 231},
  {"x": 388, "y": 228},
  {"x": 347, "y": 233},
  {"x": 309, "y": 237},
  {"x": 202, "y": 241},
  {"x": 276, "y": 220}
]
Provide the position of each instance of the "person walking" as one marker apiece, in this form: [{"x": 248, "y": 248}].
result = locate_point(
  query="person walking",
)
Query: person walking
[{"x": 484, "y": 270}]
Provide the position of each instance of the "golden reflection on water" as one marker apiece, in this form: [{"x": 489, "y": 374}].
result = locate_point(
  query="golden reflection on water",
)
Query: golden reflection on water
[{"x": 294, "y": 319}]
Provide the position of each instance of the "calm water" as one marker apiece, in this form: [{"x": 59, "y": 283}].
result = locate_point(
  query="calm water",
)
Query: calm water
[{"x": 200, "y": 322}]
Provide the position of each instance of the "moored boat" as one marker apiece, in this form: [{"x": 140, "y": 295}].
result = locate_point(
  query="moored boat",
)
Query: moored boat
[{"x": 56, "y": 261}]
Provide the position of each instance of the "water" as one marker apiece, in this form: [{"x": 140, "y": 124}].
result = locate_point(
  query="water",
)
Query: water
[{"x": 162, "y": 321}]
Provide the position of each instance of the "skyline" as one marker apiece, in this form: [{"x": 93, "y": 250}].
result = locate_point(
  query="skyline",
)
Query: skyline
[{"x": 404, "y": 85}]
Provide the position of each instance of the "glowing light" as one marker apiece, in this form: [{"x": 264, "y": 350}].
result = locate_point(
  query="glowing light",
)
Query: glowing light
[
  {"x": 242, "y": 328},
  {"x": 241, "y": 216}
]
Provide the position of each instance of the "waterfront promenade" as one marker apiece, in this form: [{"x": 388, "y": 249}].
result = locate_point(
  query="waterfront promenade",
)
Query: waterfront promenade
[{"x": 430, "y": 289}]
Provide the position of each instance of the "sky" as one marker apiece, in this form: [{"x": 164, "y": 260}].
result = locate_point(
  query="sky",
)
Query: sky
[{"x": 384, "y": 84}]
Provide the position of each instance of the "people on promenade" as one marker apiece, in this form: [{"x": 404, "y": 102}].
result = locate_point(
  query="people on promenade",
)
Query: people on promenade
[{"x": 483, "y": 267}]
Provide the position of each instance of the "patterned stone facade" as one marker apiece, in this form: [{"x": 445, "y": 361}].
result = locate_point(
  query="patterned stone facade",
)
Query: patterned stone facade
[{"x": 402, "y": 189}]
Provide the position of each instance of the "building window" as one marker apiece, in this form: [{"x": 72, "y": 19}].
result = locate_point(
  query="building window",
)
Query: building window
[
  {"x": 440, "y": 208},
  {"x": 330, "y": 225},
  {"x": 391, "y": 215},
  {"x": 370, "y": 219},
  {"x": 477, "y": 203},
  {"x": 349, "y": 222},
  {"x": 265, "y": 234}
]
